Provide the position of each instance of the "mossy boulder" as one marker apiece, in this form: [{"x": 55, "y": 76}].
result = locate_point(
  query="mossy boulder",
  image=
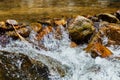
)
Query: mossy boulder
[{"x": 80, "y": 29}]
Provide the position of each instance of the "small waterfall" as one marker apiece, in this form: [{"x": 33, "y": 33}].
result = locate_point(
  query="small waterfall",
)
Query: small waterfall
[{"x": 80, "y": 65}]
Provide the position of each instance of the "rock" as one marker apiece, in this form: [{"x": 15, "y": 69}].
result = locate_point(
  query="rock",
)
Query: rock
[
  {"x": 22, "y": 31},
  {"x": 11, "y": 22},
  {"x": 108, "y": 17},
  {"x": 2, "y": 25},
  {"x": 59, "y": 22},
  {"x": 97, "y": 49},
  {"x": 15, "y": 66},
  {"x": 112, "y": 32},
  {"x": 54, "y": 65},
  {"x": 44, "y": 32},
  {"x": 118, "y": 14},
  {"x": 81, "y": 29},
  {"x": 45, "y": 21},
  {"x": 108, "y": 34},
  {"x": 36, "y": 27},
  {"x": 73, "y": 45}
]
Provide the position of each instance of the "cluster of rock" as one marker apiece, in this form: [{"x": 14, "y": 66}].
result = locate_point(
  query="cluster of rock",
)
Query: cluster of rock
[{"x": 91, "y": 30}]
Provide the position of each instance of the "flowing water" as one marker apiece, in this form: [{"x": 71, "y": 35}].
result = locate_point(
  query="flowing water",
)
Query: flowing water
[{"x": 80, "y": 65}]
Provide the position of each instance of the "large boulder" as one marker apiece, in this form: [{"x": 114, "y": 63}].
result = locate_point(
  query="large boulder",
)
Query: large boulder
[
  {"x": 80, "y": 29},
  {"x": 15, "y": 66}
]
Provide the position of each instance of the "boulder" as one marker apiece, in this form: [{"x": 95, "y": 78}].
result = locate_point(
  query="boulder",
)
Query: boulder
[
  {"x": 108, "y": 17},
  {"x": 80, "y": 29},
  {"x": 15, "y": 66}
]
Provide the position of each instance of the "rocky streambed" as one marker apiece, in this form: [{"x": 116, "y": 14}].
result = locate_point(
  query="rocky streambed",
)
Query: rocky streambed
[{"x": 52, "y": 48}]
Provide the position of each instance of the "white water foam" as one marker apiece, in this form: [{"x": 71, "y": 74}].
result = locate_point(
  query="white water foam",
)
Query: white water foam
[{"x": 80, "y": 64}]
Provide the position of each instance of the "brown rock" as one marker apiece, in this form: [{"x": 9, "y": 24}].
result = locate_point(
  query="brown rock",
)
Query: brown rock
[
  {"x": 73, "y": 45},
  {"x": 36, "y": 27},
  {"x": 44, "y": 32},
  {"x": 59, "y": 22},
  {"x": 22, "y": 31},
  {"x": 97, "y": 49}
]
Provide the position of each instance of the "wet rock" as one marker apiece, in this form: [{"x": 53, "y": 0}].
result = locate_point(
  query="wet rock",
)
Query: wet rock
[
  {"x": 59, "y": 22},
  {"x": 118, "y": 14},
  {"x": 44, "y": 32},
  {"x": 108, "y": 17},
  {"x": 2, "y": 25},
  {"x": 73, "y": 45},
  {"x": 97, "y": 49},
  {"x": 45, "y": 21},
  {"x": 11, "y": 22},
  {"x": 22, "y": 31},
  {"x": 36, "y": 27},
  {"x": 15, "y": 66},
  {"x": 81, "y": 29},
  {"x": 54, "y": 65},
  {"x": 112, "y": 32}
]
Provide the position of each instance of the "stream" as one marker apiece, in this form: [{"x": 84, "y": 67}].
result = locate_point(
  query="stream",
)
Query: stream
[{"x": 80, "y": 65}]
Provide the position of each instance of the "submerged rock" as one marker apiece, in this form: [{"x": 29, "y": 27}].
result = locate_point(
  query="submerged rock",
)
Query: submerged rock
[
  {"x": 20, "y": 67},
  {"x": 81, "y": 29},
  {"x": 108, "y": 17}
]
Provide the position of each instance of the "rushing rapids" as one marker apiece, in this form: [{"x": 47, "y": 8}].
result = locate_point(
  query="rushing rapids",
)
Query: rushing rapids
[{"x": 79, "y": 65}]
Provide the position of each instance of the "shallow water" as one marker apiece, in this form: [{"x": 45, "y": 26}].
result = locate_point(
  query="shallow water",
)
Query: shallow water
[
  {"x": 33, "y": 10},
  {"x": 80, "y": 65}
]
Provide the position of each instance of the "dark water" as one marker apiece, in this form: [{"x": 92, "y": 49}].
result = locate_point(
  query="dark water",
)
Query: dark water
[{"x": 34, "y": 9}]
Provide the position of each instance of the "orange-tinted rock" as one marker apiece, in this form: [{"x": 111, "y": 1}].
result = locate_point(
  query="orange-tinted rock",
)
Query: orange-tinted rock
[
  {"x": 97, "y": 49},
  {"x": 44, "y": 32},
  {"x": 73, "y": 45},
  {"x": 60, "y": 22},
  {"x": 36, "y": 27},
  {"x": 2, "y": 25}
]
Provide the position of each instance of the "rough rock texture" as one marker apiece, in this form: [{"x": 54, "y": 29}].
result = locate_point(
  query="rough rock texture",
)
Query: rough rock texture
[
  {"x": 97, "y": 49},
  {"x": 21, "y": 67},
  {"x": 80, "y": 29},
  {"x": 108, "y": 17},
  {"x": 36, "y": 27}
]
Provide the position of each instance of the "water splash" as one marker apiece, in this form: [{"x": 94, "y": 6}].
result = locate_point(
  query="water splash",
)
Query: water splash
[{"x": 80, "y": 65}]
